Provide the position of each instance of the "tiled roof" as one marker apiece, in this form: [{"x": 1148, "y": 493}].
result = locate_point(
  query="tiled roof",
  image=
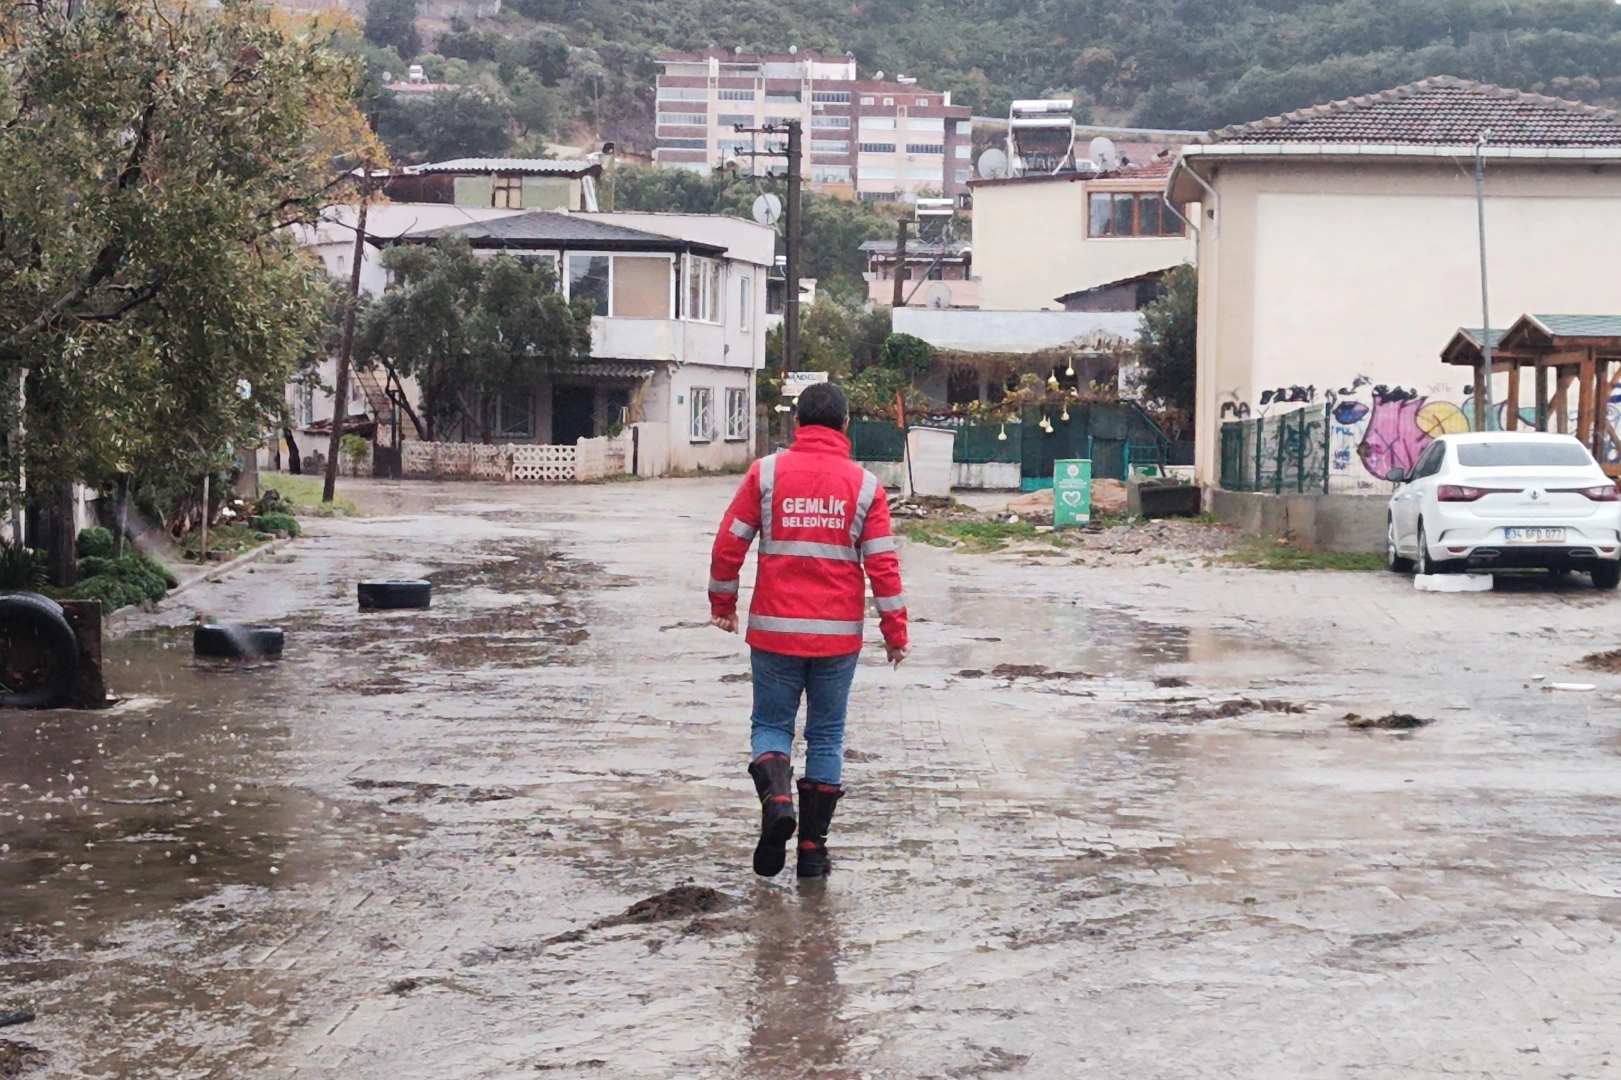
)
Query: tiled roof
[
  {"x": 1475, "y": 334},
  {"x": 1443, "y": 111},
  {"x": 1581, "y": 325},
  {"x": 1135, "y": 279},
  {"x": 533, "y": 166},
  {"x": 542, "y": 227},
  {"x": 1155, "y": 168}
]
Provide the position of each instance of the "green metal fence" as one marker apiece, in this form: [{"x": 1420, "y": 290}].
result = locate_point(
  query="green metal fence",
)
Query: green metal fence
[
  {"x": 881, "y": 440},
  {"x": 1110, "y": 434},
  {"x": 876, "y": 440},
  {"x": 1288, "y": 452}
]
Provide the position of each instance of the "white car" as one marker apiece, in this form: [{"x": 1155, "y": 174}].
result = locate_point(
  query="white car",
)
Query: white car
[{"x": 1506, "y": 499}]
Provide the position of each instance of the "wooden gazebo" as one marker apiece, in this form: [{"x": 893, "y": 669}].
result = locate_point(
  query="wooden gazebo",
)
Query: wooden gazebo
[{"x": 1579, "y": 350}]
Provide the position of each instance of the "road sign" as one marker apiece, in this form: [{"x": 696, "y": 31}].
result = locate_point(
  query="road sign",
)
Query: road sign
[
  {"x": 1072, "y": 492},
  {"x": 794, "y": 383}
]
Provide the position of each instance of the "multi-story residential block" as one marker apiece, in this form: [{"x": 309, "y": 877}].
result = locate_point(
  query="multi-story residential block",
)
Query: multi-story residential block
[{"x": 863, "y": 138}]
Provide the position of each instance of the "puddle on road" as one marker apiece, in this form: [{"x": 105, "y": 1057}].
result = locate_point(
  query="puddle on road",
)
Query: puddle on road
[
  {"x": 512, "y": 606},
  {"x": 1095, "y": 640},
  {"x": 124, "y": 813}
]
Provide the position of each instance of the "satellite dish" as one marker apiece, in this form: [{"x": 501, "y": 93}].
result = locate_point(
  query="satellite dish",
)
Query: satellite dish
[
  {"x": 767, "y": 209},
  {"x": 793, "y": 50},
  {"x": 938, "y": 296},
  {"x": 993, "y": 164},
  {"x": 879, "y": 75},
  {"x": 1102, "y": 151}
]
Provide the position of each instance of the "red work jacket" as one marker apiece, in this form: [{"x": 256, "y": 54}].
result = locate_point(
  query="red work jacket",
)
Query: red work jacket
[{"x": 820, "y": 518}]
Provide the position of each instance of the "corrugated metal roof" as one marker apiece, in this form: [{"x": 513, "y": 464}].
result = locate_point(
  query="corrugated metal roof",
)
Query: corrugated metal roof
[
  {"x": 1441, "y": 111},
  {"x": 531, "y": 166},
  {"x": 917, "y": 247},
  {"x": 542, "y": 227}
]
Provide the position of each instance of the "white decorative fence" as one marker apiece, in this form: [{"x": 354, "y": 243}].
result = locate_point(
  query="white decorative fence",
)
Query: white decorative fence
[{"x": 530, "y": 463}]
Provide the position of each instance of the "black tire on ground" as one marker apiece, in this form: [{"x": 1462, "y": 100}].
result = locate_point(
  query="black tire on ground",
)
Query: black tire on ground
[
  {"x": 233, "y": 642},
  {"x": 1606, "y": 575},
  {"x": 393, "y": 595},
  {"x": 39, "y": 652}
]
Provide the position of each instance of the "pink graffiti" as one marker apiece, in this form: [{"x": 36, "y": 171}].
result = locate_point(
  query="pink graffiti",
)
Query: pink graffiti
[{"x": 1393, "y": 439}]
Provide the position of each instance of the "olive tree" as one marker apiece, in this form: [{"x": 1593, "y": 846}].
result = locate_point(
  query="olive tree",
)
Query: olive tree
[{"x": 155, "y": 154}]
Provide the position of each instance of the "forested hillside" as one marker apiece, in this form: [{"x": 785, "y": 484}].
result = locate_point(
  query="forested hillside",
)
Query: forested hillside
[
  {"x": 543, "y": 67},
  {"x": 1187, "y": 63}
]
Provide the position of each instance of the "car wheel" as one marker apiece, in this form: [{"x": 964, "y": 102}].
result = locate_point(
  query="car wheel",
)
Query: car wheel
[
  {"x": 1606, "y": 575},
  {"x": 229, "y": 641},
  {"x": 1393, "y": 559},
  {"x": 1424, "y": 564},
  {"x": 393, "y": 595},
  {"x": 39, "y": 652}
]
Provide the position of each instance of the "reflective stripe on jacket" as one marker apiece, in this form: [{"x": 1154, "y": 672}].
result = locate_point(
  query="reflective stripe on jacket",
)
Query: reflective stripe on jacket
[{"x": 821, "y": 520}]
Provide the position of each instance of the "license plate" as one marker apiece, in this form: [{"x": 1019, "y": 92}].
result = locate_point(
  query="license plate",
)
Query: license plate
[{"x": 1534, "y": 536}]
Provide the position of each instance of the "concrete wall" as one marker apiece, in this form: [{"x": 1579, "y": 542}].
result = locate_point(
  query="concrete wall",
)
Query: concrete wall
[
  {"x": 994, "y": 476},
  {"x": 1321, "y": 274},
  {"x": 718, "y": 453},
  {"x": 1354, "y": 524},
  {"x": 1031, "y": 247},
  {"x": 1013, "y": 332}
]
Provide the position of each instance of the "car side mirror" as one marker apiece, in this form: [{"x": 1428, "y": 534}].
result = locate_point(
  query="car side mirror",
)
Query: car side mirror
[{"x": 1397, "y": 475}]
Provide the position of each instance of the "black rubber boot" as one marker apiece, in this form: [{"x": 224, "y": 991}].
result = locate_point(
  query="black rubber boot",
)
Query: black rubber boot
[
  {"x": 816, "y": 803},
  {"x": 774, "y": 780}
]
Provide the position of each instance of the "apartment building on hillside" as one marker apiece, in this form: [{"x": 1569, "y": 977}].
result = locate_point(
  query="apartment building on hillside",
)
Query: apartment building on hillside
[{"x": 863, "y": 138}]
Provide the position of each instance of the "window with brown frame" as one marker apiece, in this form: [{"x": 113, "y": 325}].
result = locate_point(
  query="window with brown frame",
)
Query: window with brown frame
[
  {"x": 508, "y": 193},
  {"x": 1132, "y": 213}
]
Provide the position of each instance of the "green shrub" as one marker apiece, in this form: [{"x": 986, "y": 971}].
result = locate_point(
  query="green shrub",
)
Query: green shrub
[
  {"x": 122, "y": 582},
  {"x": 97, "y": 542},
  {"x": 21, "y": 568},
  {"x": 356, "y": 449},
  {"x": 92, "y": 565},
  {"x": 274, "y": 523}
]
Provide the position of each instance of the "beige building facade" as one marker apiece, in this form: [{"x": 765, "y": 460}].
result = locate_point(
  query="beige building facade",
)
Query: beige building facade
[
  {"x": 1334, "y": 268},
  {"x": 1037, "y": 238}
]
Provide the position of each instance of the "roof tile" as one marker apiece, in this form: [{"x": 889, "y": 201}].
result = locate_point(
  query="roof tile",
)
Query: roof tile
[{"x": 1442, "y": 111}]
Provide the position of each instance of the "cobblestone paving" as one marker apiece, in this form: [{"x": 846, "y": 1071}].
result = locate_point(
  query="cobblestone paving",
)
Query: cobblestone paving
[{"x": 1166, "y": 854}]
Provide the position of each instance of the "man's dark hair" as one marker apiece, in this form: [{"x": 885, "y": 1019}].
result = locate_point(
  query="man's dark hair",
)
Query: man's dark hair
[{"x": 825, "y": 404}]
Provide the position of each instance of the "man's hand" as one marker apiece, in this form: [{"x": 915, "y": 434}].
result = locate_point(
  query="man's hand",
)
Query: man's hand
[
  {"x": 897, "y": 655},
  {"x": 727, "y": 623}
]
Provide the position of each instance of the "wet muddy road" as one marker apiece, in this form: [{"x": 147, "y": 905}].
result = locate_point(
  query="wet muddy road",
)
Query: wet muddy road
[{"x": 1105, "y": 823}]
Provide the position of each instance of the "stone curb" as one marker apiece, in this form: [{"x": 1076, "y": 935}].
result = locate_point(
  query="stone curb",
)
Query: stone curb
[{"x": 211, "y": 574}]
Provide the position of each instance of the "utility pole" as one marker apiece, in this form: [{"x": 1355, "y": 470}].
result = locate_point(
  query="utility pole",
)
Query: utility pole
[
  {"x": 340, "y": 400},
  {"x": 900, "y": 265},
  {"x": 790, "y": 313},
  {"x": 1483, "y": 407}
]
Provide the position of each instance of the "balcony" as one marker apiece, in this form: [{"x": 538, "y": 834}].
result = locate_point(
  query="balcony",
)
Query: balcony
[{"x": 658, "y": 339}]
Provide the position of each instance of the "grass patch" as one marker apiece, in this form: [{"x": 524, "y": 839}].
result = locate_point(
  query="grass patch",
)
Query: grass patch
[
  {"x": 976, "y": 537},
  {"x": 225, "y": 542},
  {"x": 1270, "y": 553},
  {"x": 304, "y": 492}
]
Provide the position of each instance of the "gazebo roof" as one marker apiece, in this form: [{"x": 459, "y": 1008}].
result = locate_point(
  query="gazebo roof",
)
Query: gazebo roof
[
  {"x": 1553, "y": 332},
  {"x": 1466, "y": 347},
  {"x": 1533, "y": 336}
]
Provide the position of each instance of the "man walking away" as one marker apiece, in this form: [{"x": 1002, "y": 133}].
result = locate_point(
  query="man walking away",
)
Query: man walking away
[{"x": 820, "y": 518}]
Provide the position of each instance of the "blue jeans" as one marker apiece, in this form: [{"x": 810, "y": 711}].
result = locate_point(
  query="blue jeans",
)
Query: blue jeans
[{"x": 824, "y": 681}]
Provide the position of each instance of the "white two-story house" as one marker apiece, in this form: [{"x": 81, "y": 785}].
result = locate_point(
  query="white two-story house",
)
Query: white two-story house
[{"x": 678, "y": 336}]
